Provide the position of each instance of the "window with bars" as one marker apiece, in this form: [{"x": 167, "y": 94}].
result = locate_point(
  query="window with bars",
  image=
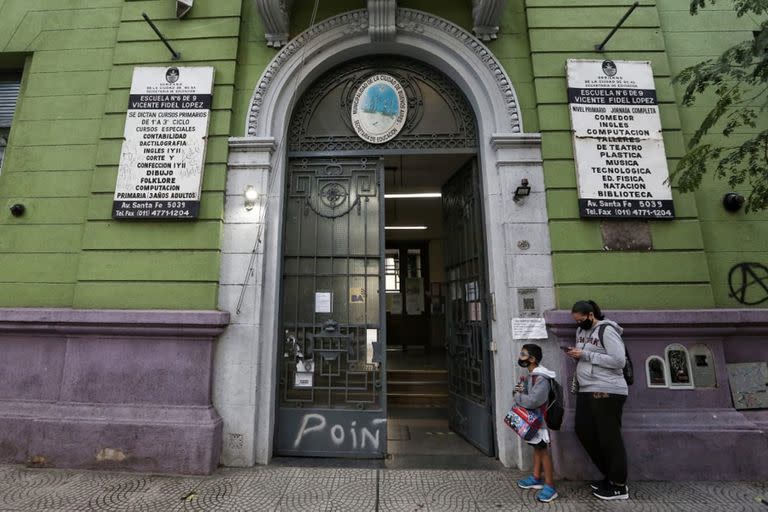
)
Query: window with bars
[{"x": 10, "y": 83}]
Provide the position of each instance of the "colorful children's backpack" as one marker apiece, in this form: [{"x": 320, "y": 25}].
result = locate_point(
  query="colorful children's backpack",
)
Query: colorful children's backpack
[{"x": 526, "y": 422}]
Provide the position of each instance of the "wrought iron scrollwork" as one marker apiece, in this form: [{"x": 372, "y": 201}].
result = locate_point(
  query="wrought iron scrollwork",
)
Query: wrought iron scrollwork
[{"x": 439, "y": 115}]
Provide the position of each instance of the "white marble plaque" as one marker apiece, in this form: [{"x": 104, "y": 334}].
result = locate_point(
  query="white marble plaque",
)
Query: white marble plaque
[
  {"x": 166, "y": 130},
  {"x": 749, "y": 385},
  {"x": 621, "y": 164}
]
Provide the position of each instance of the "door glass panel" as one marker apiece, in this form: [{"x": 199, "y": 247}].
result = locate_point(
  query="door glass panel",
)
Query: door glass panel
[{"x": 392, "y": 266}]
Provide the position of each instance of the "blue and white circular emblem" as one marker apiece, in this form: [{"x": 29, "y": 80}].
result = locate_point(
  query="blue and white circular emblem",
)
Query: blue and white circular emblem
[{"x": 379, "y": 109}]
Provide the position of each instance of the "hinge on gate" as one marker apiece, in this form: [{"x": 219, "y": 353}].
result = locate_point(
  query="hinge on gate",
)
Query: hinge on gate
[
  {"x": 492, "y": 346},
  {"x": 493, "y": 306}
]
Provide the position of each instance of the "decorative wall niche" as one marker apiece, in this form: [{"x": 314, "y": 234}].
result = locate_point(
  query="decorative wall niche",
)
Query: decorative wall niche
[
  {"x": 656, "y": 372},
  {"x": 679, "y": 364},
  {"x": 703, "y": 366}
]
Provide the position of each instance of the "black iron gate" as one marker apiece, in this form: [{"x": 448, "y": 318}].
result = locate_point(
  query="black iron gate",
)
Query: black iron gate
[
  {"x": 467, "y": 328},
  {"x": 332, "y": 390}
]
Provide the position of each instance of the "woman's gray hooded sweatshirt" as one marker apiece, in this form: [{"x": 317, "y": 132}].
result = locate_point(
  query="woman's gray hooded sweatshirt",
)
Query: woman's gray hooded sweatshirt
[{"x": 600, "y": 368}]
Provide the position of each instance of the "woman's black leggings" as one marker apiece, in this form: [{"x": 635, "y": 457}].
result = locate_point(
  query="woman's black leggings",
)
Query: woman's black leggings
[{"x": 598, "y": 426}]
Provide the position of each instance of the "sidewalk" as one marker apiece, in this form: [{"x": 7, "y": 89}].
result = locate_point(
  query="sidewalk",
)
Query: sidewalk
[{"x": 294, "y": 488}]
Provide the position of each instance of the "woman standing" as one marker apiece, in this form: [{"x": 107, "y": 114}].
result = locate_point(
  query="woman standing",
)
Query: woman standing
[{"x": 602, "y": 392}]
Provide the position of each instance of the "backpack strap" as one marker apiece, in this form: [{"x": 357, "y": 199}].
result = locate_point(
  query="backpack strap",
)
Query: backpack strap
[{"x": 601, "y": 333}]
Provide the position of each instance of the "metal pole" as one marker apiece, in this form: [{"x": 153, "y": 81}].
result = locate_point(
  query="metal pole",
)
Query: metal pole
[
  {"x": 600, "y": 47},
  {"x": 176, "y": 55}
]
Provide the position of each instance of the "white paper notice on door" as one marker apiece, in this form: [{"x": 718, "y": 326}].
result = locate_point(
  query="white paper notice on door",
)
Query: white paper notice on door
[
  {"x": 371, "y": 337},
  {"x": 529, "y": 329},
  {"x": 323, "y": 302}
]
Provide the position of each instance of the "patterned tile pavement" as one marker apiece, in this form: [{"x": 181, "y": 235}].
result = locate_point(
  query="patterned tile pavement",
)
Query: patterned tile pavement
[{"x": 353, "y": 489}]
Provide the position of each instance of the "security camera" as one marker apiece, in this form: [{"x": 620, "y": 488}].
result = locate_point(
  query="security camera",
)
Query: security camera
[{"x": 183, "y": 7}]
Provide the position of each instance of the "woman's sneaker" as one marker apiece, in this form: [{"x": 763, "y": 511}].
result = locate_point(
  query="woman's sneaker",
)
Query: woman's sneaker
[
  {"x": 546, "y": 494},
  {"x": 612, "y": 492},
  {"x": 530, "y": 482}
]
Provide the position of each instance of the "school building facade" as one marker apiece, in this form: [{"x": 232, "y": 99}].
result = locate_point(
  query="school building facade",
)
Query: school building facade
[{"x": 378, "y": 179}]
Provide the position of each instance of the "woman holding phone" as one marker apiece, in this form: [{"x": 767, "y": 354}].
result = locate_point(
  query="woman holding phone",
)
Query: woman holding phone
[{"x": 602, "y": 391}]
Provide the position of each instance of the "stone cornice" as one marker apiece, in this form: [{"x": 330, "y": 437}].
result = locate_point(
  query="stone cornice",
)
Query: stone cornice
[
  {"x": 252, "y": 143},
  {"x": 515, "y": 140},
  {"x": 123, "y": 322}
]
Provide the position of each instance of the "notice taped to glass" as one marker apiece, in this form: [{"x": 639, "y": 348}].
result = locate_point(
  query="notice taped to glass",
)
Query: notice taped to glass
[
  {"x": 621, "y": 164},
  {"x": 166, "y": 130}
]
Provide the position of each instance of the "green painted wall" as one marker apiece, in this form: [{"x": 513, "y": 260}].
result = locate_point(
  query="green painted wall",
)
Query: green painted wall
[
  {"x": 62, "y": 158},
  {"x": 729, "y": 238},
  {"x": 78, "y": 57},
  {"x": 675, "y": 274},
  {"x": 52, "y": 148},
  {"x": 511, "y": 48}
]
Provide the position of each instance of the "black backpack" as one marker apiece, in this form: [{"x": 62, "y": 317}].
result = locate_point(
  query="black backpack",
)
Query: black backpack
[
  {"x": 553, "y": 409},
  {"x": 628, "y": 370}
]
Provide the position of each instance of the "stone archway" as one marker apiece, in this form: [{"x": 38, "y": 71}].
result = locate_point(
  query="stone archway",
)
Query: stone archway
[{"x": 506, "y": 154}]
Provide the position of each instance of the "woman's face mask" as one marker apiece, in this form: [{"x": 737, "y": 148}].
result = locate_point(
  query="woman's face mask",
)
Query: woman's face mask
[
  {"x": 524, "y": 360},
  {"x": 584, "y": 323}
]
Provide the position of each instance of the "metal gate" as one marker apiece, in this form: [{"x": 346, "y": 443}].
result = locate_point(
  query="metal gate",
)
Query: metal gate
[
  {"x": 467, "y": 330},
  {"x": 332, "y": 378}
]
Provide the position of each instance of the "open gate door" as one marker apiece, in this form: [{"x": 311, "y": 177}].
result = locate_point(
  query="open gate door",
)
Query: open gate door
[
  {"x": 332, "y": 390},
  {"x": 467, "y": 325}
]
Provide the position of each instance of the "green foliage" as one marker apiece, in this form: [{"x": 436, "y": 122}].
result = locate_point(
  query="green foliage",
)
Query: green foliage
[{"x": 739, "y": 79}]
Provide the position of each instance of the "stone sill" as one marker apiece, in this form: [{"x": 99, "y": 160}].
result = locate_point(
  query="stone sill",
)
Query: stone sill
[
  {"x": 665, "y": 323},
  {"x": 122, "y": 322}
]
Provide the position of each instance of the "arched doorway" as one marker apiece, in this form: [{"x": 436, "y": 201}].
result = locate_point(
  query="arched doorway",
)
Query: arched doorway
[
  {"x": 339, "y": 292},
  {"x": 505, "y": 155}
]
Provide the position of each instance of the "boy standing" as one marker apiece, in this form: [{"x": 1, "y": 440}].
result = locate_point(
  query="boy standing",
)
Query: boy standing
[{"x": 532, "y": 393}]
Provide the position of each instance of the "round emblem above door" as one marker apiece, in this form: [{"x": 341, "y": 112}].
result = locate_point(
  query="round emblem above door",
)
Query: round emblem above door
[{"x": 379, "y": 109}]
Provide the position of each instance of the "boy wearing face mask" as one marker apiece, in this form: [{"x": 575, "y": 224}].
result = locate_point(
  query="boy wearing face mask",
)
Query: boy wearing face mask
[{"x": 532, "y": 393}]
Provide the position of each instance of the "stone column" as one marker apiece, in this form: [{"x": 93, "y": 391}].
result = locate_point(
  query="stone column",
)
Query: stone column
[
  {"x": 237, "y": 372},
  {"x": 520, "y": 261}
]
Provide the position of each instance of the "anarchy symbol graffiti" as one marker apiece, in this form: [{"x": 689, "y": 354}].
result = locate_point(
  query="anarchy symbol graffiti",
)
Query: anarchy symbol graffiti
[{"x": 748, "y": 283}]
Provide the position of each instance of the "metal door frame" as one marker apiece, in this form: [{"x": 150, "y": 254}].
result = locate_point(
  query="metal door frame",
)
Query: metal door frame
[
  {"x": 382, "y": 336},
  {"x": 487, "y": 303}
]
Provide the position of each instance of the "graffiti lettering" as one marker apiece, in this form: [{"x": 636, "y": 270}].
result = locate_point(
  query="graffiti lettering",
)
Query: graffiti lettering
[
  {"x": 741, "y": 281},
  {"x": 316, "y": 424}
]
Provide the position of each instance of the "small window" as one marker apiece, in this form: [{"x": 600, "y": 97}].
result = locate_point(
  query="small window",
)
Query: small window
[
  {"x": 10, "y": 83},
  {"x": 656, "y": 372},
  {"x": 679, "y": 364},
  {"x": 703, "y": 366},
  {"x": 4, "y": 132}
]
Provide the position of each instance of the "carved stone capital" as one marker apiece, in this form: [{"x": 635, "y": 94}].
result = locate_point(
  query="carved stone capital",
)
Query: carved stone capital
[
  {"x": 275, "y": 14},
  {"x": 486, "y": 17}
]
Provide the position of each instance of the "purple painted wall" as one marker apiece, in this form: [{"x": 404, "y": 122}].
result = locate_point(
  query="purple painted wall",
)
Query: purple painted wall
[
  {"x": 127, "y": 390},
  {"x": 678, "y": 434}
]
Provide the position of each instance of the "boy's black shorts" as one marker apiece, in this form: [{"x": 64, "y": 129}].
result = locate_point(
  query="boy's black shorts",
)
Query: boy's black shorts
[{"x": 541, "y": 445}]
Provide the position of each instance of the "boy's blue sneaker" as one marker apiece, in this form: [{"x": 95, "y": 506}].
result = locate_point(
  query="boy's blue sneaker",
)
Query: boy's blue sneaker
[
  {"x": 530, "y": 482},
  {"x": 546, "y": 494}
]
